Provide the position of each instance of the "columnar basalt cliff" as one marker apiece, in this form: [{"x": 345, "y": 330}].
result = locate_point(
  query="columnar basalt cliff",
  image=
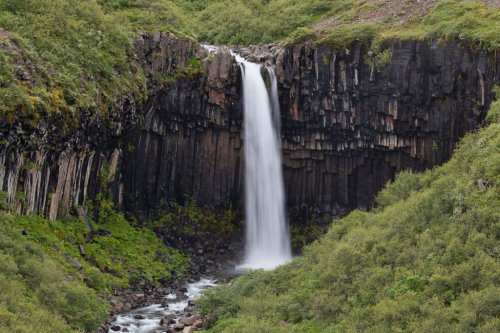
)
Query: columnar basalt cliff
[
  {"x": 189, "y": 142},
  {"x": 181, "y": 140},
  {"x": 348, "y": 125}
]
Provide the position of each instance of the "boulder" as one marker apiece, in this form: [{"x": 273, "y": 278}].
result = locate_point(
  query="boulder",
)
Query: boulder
[{"x": 188, "y": 321}]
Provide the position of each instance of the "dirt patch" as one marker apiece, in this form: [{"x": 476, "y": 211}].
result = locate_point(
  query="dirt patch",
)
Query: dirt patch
[{"x": 4, "y": 34}]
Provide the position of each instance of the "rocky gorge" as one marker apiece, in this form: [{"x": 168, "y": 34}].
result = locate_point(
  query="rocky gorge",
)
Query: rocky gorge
[{"x": 348, "y": 124}]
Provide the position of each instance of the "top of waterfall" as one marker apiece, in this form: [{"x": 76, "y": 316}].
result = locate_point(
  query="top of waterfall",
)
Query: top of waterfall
[{"x": 237, "y": 56}]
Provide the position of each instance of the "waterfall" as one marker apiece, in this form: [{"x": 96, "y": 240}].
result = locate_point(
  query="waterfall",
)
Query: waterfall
[{"x": 267, "y": 237}]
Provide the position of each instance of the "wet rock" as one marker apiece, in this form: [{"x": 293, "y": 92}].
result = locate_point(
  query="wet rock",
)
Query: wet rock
[
  {"x": 179, "y": 326},
  {"x": 170, "y": 319},
  {"x": 127, "y": 307},
  {"x": 115, "y": 328},
  {"x": 188, "y": 321}
]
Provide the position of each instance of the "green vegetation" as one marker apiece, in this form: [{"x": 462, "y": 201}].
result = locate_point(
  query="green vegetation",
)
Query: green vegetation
[
  {"x": 425, "y": 260},
  {"x": 60, "y": 59},
  {"x": 258, "y": 21},
  {"x": 193, "y": 221},
  {"x": 45, "y": 277},
  {"x": 35, "y": 294},
  {"x": 452, "y": 20},
  {"x": 121, "y": 253}
]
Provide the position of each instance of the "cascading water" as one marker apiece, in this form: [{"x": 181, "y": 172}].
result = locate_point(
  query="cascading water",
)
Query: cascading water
[{"x": 267, "y": 237}]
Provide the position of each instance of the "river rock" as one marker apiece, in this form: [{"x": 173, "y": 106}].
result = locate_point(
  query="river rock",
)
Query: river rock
[
  {"x": 179, "y": 326},
  {"x": 127, "y": 307},
  {"x": 188, "y": 321},
  {"x": 189, "y": 329}
]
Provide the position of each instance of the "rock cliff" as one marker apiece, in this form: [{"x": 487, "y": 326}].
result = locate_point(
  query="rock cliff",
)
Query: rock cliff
[{"x": 348, "y": 125}]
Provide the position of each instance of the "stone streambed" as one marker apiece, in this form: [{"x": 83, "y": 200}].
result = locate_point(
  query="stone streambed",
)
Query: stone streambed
[{"x": 174, "y": 313}]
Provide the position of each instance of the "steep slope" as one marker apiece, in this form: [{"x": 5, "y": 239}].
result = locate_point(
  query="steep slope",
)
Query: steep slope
[{"x": 425, "y": 260}]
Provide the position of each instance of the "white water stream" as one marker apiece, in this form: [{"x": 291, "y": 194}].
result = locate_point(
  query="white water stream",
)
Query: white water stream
[{"x": 150, "y": 316}]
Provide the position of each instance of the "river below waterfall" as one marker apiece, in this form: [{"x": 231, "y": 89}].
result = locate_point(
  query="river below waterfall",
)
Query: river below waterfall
[{"x": 148, "y": 319}]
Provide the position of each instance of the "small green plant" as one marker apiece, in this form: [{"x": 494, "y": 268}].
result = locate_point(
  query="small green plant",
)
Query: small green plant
[
  {"x": 493, "y": 115},
  {"x": 382, "y": 60},
  {"x": 407, "y": 283}
]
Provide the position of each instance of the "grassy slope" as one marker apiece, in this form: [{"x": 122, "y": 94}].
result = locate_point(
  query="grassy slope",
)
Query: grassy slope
[
  {"x": 78, "y": 53},
  {"x": 342, "y": 21},
  {"x": 35, "y": 292},
  {"x": 426, "y": 260},
  {"x": 36, "y": 296}
]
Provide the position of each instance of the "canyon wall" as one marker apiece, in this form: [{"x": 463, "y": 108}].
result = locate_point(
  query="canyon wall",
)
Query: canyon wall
[
  {"x": 183, "y": 139},
  {"x": 348, "y": 126},
  {"x": 189, "y": 143}
]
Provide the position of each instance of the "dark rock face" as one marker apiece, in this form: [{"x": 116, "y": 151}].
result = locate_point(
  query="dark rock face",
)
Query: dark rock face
[
  {"x": 189, "y": 142},
  {"x": 347, "y": 128},
  {"x": 185, "y": 139}
]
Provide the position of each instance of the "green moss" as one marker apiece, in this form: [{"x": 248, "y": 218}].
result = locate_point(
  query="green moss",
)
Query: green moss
[
  {"x": 383, "y": 60},
  {"x": 453, "y": 20},
  {"x": 195, "y": 221}
]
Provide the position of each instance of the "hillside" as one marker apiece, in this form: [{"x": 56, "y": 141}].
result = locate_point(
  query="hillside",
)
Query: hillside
[
  {"x": 62, "y": 66},
  {"x": 425, "y": 260}
]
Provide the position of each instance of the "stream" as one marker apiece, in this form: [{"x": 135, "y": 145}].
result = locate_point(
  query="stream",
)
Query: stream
[{"x": 147, "y": 319}]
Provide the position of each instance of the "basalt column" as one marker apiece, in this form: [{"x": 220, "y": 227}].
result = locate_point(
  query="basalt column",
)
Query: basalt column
[
  {"x": 349, "y": 124},
  {"x": 188, "y": 146}
]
